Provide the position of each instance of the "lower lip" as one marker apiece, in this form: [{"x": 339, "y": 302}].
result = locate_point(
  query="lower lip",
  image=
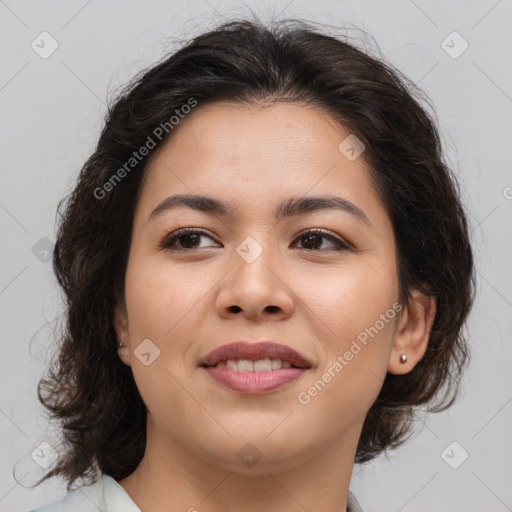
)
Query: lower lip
[{"x": 255, "y": 383}]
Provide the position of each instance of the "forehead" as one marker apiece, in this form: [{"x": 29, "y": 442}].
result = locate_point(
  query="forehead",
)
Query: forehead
[
  {"x": 249, "y": 155},
  {"x": 274, "y": 137}
]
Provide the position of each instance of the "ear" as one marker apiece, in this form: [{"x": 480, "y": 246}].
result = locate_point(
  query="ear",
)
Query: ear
[
  {"x": 122, "y": 331},
  {"x": 412, "y": 333}
]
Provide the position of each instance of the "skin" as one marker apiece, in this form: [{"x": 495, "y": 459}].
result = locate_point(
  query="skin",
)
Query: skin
[{"x": 321, "y": 300}]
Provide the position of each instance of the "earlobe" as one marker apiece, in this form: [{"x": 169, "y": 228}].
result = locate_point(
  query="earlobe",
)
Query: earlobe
[{"x": 413, "y": 333}]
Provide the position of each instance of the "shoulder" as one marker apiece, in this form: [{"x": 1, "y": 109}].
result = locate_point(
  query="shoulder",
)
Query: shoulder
[
  {"x": 90, "y": 498},
  {"x": 353, "y": 504},
  {"x": 105, "y": 495}
]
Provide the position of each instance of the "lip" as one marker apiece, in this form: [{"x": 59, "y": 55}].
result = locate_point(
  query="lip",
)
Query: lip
[
  {"x": 253, "y": 352},
  {"x": 255, "y": 383}
]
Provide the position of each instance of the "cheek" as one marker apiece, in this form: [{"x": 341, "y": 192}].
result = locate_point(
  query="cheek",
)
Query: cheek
[
  {"x": 353, "y": 363},
  {"x": 160, "y": 302},
  {"x": 158, "y": 298},
  {"x": 359, "y": 312},
  {"x": 349, "y": 299}
]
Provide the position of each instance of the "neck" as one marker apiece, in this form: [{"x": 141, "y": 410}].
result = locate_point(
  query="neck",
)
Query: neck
[{"x": 190, "y": 481}]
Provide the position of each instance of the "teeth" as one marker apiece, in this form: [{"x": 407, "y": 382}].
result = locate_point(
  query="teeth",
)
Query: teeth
[
  {"x": 245, "y": 366},
  {"x": 262, "y": 365},
  {"x": 231, "y": 365},
  {"x": 276, "y": 364}
]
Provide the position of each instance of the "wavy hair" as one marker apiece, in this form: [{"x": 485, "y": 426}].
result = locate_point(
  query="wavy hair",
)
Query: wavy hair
[{"x": 89, "y": 391}]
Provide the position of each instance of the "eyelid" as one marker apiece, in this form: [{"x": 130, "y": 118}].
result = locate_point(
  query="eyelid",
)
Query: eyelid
[
  {"x": 164, "y": 244},
  {"x": 173, "y": 236},
  {"x": 337, "y": 239}
]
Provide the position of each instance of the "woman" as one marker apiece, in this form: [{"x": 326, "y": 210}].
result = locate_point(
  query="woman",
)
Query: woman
[{"x": 266, "y": 267}]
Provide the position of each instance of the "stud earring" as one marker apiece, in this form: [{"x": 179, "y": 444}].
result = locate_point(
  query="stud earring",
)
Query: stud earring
[
  {"x": 120, "y": 344},
  {"x": 403, "y": 358}
]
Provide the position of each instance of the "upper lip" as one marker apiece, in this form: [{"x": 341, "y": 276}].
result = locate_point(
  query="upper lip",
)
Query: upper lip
[{"x": 254, "y": 352}]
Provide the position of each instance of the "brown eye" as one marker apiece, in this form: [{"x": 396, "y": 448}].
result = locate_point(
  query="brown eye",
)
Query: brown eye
[
  {"x": 188, "y": 239},
  {"x": 312, "y": 240}
]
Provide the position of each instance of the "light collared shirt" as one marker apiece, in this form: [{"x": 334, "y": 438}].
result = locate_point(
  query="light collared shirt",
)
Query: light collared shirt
[{"x": 106, "y": 495}]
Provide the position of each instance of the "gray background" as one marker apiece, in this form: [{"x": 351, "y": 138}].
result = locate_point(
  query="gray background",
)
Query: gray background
[{"x": 52, "y": 113}]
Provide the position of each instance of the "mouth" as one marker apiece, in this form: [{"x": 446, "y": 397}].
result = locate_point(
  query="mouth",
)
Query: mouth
[
  {"x": 254, "y": 368},
  {"x": 254, "y": 357}
]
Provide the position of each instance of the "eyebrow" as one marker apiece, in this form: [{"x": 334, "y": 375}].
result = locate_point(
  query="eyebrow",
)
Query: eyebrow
[{"x": 288, "y": 208}]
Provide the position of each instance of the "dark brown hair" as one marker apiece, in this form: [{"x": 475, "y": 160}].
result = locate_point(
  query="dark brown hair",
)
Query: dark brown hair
[{"x": 90, "y": 391}]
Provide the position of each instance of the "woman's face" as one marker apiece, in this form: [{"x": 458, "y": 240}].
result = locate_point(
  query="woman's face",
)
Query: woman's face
[{"x": 248, "y": 275}]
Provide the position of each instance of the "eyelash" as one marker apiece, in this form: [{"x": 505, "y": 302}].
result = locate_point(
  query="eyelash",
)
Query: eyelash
[{"x": 168, "y": 241}]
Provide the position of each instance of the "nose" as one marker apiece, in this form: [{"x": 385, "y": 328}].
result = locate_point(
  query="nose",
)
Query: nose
[{"x": 257, "y": 289}]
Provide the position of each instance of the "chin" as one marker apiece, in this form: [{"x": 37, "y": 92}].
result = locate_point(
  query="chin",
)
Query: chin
[{"x": 253, "y": 451}]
